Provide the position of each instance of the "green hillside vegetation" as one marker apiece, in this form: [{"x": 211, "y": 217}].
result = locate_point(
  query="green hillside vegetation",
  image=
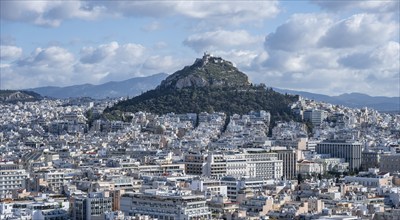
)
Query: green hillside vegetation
[
  {"x": 210, "y": 84},
  {"x": 230, "y": 100}
]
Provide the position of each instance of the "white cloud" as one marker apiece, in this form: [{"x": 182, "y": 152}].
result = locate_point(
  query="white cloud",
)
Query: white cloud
[
  {"x": 106, "y": 62},
  {"x": 359, "y": 29},
  {"x": 126, "y": 53},
  {"x": 165, "y": 63},
  {"x": 301, "y": 31},
  {"x": 235, "y": 12},
  {"x": 370, "y": 6},
  {"x": 48, "y": 13},
  {"x": 327, "y": 55},
  {"x": 153, "y": 26},
  {"x": 44, "y": 66},
  {"x": 221, "y": 39},
  {"x": 10, "y": 52},
  {"x": 52, "y": 13},
  {"x": 241, "y": 58},
  {"x": 48, "y": 57},
  {"x": 95, "y": 55}
]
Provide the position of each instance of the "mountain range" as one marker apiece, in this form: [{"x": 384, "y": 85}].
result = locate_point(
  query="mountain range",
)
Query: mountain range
[
  {"x": 352, "y": 100},
  {"x": 130, "y": 87}
]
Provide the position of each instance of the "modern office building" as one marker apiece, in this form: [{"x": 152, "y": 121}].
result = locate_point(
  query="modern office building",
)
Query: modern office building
[
  {"x": 195, "y": 163},
  {"x": 370, "y": 159},
  {"x": 289, "y": 159},
  {"x": 349, "y": 150},
  {"x": 314, "y": 116},
  {"x": 88, "y": 207}
]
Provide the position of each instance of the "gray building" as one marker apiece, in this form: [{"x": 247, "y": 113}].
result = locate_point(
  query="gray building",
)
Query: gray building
[
  {"x": 315, "y": 116},
  {"x": 349, "y": 150},
  {"x": 390, "y": 163},
  {"x": 93, "y": 205},
  {"x": 369, "y": 159},
  {"x": 289, "y": 163}
]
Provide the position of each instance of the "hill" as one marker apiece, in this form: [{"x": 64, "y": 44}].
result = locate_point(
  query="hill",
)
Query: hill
[
  {"x": 130, "y": 87},
  {"x": 209, "y": 71},
  {"x": 353, "y": 100},
  {"x": 210, "y": 84},
  {"x": 12, "y": 96}
]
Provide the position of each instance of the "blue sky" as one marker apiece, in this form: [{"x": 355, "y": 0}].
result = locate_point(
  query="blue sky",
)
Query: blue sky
[{"x": 328, "y": 47}]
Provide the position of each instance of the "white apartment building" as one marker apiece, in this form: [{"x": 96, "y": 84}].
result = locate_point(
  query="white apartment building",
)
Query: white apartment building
[
  {"x": 54, "y": 180},
  {"x": 234, "y": 185},
  {"x": 236, "y": 165},
  {"x": 373, "y": 178},
  {"x": 264, "y": 165},
  {"x": 257, "y": 163},
  {"x": 12, "y": 180},
  {"x": 210, "y": 187},
  {"x": 169, "y": 205}
]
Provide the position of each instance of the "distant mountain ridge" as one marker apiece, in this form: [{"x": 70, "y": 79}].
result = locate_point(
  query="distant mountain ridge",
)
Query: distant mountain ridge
[
  {"x": 13, "y": 96},
  {"x": 130, "y": 87},
  {"x": 352, "y": 100},
  {"x": 135, "y": 86}
]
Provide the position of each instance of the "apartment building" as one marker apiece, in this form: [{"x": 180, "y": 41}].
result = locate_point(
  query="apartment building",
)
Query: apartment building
[
  {"x": 169, "y": 205},
  {"x": 12, "y": 180}
]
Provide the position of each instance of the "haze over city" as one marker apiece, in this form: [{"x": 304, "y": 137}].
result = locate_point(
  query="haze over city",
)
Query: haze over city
[{"x": 327, "y": 47}]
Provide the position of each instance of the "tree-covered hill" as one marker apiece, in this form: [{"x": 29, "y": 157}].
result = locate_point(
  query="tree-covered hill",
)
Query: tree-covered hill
[
  {"x": 211, "y": 84},
  {"x": 211, "y": 99}
]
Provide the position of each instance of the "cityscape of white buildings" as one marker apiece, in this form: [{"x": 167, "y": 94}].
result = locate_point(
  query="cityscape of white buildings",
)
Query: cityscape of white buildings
[{"x": 332, "y": 162}]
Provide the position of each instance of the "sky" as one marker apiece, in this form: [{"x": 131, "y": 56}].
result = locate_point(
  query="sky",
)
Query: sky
[{"x": 321, "y": 46}]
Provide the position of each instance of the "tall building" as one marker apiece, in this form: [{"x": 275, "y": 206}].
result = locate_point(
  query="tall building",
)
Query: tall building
[
  {"x": 349, "y": 150},
  {"x": 289, "y": 159},
  {"x": 314, "y": 116},
  {"x": 216, "y": 165},
  {"x": 87, "y": 207},
  {"x": 370, "y": 159},
  {"x": 195, "y": 163}
]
